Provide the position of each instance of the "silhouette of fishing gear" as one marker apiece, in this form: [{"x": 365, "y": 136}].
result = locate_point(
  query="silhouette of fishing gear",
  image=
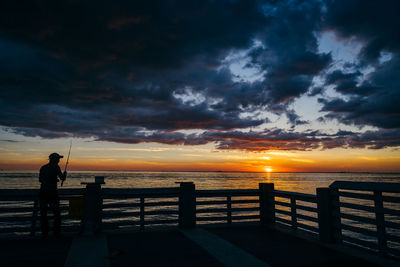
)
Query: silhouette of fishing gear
[{"x": 66, "y": 164}]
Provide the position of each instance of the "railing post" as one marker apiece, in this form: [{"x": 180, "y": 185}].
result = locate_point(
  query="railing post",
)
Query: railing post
[
  {"x": 187, "y": 205},
  {"x": 328, "y": 232},
  {"x": 335, "y": 213},
  {"x": 93, "y": 209},
  {"x": 380, "y": 222},
  {"x": 267, "y": 203}
]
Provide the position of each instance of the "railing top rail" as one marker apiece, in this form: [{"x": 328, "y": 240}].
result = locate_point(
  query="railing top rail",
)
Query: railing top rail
[
  {"x": 367, "y": 186},
  {"x": 228, "y": 191},
  {"x": 280, "y": 193}
]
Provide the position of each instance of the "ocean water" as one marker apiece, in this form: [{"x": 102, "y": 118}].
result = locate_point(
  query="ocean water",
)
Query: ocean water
[
  {"x": 297, "y": 182},
  {"x": 294, "y": 182}
]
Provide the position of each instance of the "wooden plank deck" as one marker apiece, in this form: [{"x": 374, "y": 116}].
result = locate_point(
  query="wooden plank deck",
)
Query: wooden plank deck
[{"x": 170, "y": 247}]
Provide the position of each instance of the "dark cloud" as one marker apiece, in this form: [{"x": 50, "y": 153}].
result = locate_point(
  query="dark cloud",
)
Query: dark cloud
[
  {"x": 10, "y": 141},
  {"x": 120, "y": 63},
  {"x": 290, "y": 54},
  {"x": 347, "y": 83},
  {"x": 283, "y": 140},
  {"x": 376, "y": 103},
  {"x": 268, "y": 140},
  {"x": 373, "y": 98},
  {"x": 273, "y": 139},
  {"x": 372, "y": 22},
  {"x": 316, "y": 91},
  {"x": 161, "y": 34},
  {"x": 142, "y": 71},
  {"x": 294, "y": 119},
  {"x": 277, "y": 139}
]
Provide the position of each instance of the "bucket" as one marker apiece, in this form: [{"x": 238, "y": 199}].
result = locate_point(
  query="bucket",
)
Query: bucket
[{"x": 76, "y": 209}]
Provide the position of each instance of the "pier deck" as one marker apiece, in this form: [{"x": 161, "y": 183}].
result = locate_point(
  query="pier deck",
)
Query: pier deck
[
  {"x": 172, "y": 247},
  {"x": 368, "y": 234}
]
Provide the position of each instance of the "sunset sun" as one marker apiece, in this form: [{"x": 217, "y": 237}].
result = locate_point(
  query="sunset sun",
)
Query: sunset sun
[{"x": 268, "y": 169}]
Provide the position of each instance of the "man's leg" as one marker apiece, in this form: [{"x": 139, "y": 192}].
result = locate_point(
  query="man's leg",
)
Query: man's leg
[
  {"x": 55, "y": 206},
  {"x": 44, "y": 224}
]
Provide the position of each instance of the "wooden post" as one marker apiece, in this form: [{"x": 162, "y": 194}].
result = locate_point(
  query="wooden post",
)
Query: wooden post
[
  {"x": 93, "y": 209},
  {"x": 187, "y": 205},
  {"x": 293, "y": 212},
  {"x": 335, "y": 215},
  {"x": 324, "y": 215},
  {"x": 229, "y": 209},
  {"x": 142, "y": 213},
  {"x": 380, "y": 223},
  {"x": 267, "y": 203},
  {"x": 326, "y": 220}
]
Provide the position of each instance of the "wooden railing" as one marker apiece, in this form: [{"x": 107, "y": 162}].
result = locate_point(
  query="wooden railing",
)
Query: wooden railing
[
  {"x": 303, "y": 216},
  {"x": 371, "y": 205},
  {"x": 231, "y": 205},
  {"x": 137, "y": 201},
  {"x": 19, "y": 210},
  {"x": 361, "y": 214}
]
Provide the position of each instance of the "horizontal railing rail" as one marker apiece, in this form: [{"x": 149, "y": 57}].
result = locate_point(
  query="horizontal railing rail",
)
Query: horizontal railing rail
[
  {"x": 139, "y": 192},
  {"x": 135, "y": 204},
  {"x": 227, "y": 192},
  {"x": 367, "y": 186}
]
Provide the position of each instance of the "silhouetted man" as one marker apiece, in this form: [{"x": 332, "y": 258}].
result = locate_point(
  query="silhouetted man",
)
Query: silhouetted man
[{"x": 48, "y": 178}]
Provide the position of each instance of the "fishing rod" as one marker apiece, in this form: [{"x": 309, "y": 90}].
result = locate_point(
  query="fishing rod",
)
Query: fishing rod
[{"x": 66, "y": 164}]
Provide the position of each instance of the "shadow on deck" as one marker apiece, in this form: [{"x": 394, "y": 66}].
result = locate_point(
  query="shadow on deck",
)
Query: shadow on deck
[{"x": 172, "y": 247}]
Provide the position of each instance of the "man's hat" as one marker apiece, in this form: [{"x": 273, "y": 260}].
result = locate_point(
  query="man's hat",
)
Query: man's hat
[{"x": 55, "y": 156}]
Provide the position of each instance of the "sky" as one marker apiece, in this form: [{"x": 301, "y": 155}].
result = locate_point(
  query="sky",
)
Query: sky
[{"x": 259, "y": 86}]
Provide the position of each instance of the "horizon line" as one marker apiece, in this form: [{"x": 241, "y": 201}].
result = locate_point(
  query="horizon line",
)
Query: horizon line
[{"x": 372, "y": 172}]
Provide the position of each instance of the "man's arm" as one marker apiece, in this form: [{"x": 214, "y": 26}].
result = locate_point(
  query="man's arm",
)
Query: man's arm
[{"x": 61, "y": 175}]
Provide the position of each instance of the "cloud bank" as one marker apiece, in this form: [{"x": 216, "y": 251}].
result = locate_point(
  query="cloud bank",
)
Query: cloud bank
[{"x": 148, "y": 71}]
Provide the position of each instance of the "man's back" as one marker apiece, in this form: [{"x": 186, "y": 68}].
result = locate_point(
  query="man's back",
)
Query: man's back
[{"x": 48, "y": 177}]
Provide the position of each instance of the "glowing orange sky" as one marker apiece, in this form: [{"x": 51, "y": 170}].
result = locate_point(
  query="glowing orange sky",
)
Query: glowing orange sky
[{"x": 155, "y": 157}]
